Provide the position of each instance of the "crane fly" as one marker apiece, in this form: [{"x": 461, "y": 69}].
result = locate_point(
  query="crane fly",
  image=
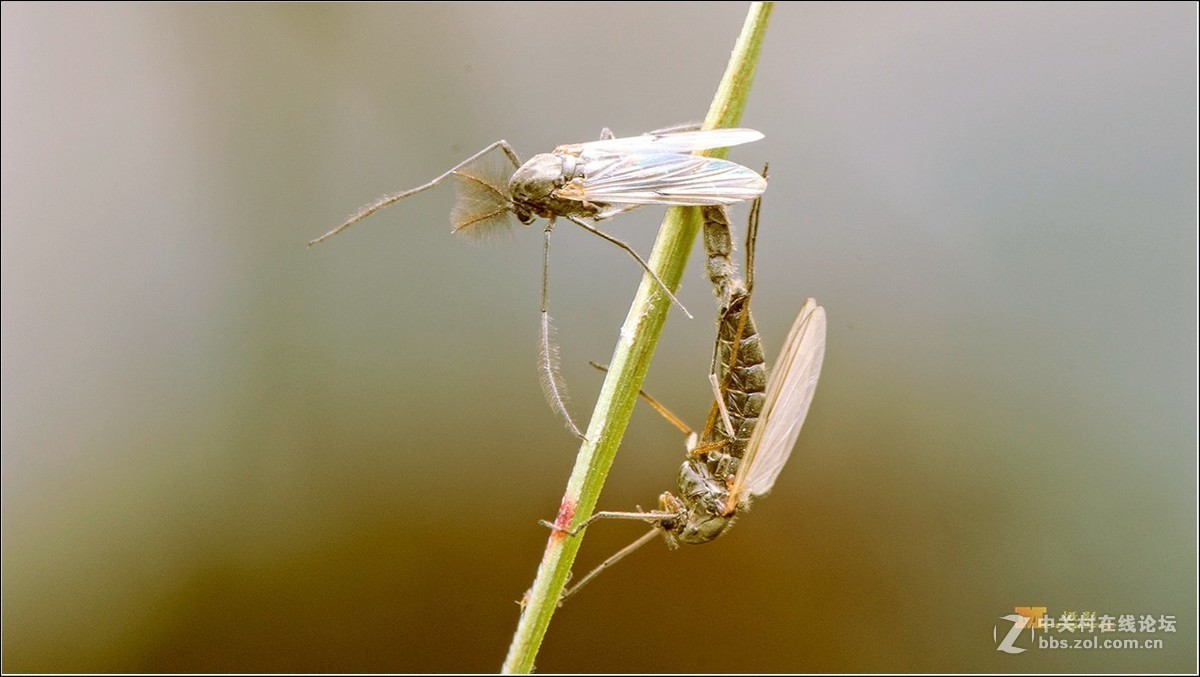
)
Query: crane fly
[
  {"x": 585, "y": 182},
  {"x": 754, "y": 421}
]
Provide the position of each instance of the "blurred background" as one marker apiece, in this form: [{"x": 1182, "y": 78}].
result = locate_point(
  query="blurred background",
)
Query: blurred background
[{"x": 223, "y": 451}]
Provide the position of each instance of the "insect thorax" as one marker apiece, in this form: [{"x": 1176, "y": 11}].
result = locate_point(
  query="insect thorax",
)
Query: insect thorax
[
  {"x": 535, "y": 184},
  {"x": 703, "y": 490}
]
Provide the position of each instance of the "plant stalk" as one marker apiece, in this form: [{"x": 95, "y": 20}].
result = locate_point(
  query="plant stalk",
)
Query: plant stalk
[{"x": 630, "y": 362}]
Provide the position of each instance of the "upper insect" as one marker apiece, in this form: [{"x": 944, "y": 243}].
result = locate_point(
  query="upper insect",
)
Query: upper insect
[
  {"x": 593, "y": 180},
  {"x": 600, "y": 179},
  {"x": 586, "y": 182}
]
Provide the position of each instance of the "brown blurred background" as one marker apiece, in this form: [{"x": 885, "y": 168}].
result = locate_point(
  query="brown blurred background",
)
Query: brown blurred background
[{"x": 225, "y": 452}]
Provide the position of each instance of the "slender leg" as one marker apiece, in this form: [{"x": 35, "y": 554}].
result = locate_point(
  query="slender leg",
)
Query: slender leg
[
  {"x": 553, "y": 385},
  {"x": 393, "y": 198},
  {"x": 752, "y": 240},
  {"x": 683, "y": 127},
  {"x": 649, "y": 536},
  {"x": 672, "y": 510},
  {"x": 546, "y": 266},
  {"x": 613, "y": 211},
  {"x": 714, "y": 380},
  {"x": 659, "y": 407},
  {"x": 646, "y": 516},
  {"x": 652, "y": 516},
  {"x": 719, "y": 398},
  {"x": 596, "y": 231}
]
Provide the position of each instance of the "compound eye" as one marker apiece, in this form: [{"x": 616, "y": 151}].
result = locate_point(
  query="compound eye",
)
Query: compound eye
[{"x": 525, "y": 218}]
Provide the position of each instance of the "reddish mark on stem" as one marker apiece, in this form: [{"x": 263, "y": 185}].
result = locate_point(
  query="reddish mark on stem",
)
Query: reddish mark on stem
[{"x": 566, "y": 512}]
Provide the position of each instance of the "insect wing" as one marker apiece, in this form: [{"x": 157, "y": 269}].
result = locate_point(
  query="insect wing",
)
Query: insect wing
[
  {"x": 666, "y": 179},
  {"x": 666, "y": 142},
  {"x": 790, "y": 389}
]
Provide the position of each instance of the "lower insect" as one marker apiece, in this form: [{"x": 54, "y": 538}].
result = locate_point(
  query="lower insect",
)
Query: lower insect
[{"x": 755, "y": 418}]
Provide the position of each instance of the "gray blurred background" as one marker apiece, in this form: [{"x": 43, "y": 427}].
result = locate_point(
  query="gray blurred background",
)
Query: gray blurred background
[{"x": 223, "y": 451}]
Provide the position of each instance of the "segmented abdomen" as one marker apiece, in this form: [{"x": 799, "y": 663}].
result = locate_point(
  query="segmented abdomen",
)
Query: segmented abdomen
[
  {"x": 742, "y": 374},
  {"x": 741, "y": 367}
]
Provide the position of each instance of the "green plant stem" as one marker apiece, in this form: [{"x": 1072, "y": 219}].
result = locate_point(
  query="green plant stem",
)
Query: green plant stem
[{"x": 627, "y": 370}]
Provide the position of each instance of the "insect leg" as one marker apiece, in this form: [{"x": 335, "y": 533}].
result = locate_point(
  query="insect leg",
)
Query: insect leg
[
  {"x": 652, "y": 516},
  {"x": 553, "y": 385},
  {"x": 752, "y": 239},
  {"x": 719, "y": 398},
  {"x": 672, "y": 510},
  {"x": 646, "y": 538},
  {"x": 659, "y": 407},
  {"x": 393, "y": 198},
  {"x": 609, "y": 213},
  {"x": 682, "y": 127},
  {"x": 714, "y": 369},
  {"x": 596, "y": 231}
]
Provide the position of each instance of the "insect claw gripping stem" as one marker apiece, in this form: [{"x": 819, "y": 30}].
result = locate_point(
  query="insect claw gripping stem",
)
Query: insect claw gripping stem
[{"x": 562, "y": 530}]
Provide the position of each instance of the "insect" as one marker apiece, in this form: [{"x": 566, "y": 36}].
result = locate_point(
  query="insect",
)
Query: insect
[
  {"x": 755, "y": 418},
  {"x": 584, "y": 182}
]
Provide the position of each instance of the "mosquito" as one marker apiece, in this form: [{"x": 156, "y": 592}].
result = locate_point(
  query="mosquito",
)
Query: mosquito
[
  {"x": 584, "y": 182},
  {"x": 753, "y": 423}
]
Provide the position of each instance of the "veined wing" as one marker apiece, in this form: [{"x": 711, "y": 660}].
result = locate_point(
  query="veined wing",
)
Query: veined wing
[
  {"x": 664, "y": 178},
  {"x": 665, "y": 142},
  {"x": 790, "y": 389}
]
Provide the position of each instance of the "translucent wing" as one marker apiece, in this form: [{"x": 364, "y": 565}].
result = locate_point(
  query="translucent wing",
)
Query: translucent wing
[
  {"x": 664, "y": 142},
  {"x": 790, "y": 389},
  {"x": 664, "y": 178},
  {"x": 481, "y": 210}
]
